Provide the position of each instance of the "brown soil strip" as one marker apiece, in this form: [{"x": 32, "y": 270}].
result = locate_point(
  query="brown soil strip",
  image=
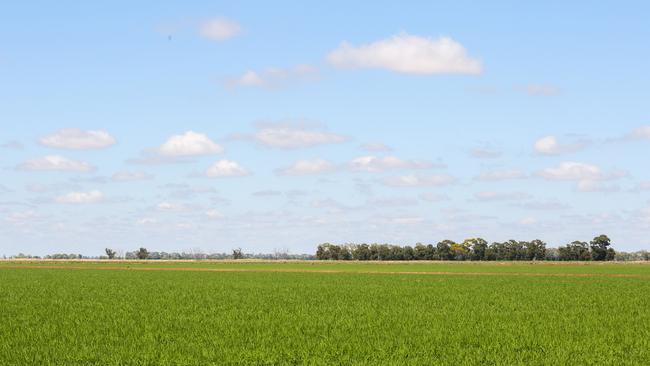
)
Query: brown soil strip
[{"x": 289, "y": 270}]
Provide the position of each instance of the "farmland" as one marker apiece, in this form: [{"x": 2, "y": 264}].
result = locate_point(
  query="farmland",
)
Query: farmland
[{"x": 190, "y": 313}]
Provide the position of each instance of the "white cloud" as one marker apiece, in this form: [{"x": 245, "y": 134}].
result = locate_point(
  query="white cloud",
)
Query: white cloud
[
  {"x": 23, "y": 217},
  {"x": 540, "y": 90},
  {"x": 147, "y": 221},
  {"x": 501, "y": 196},
  {"x": 56, "y": 163},
  {"x": 189, "y": 144},
  {"x": 274, "y": 77},
  {"x": 641, "y": 133},
  {"x": 570, "y": 170},
  {"x": 168, "y": 206},
  {"x": 588, "y": 176},
  {"x": 485, "y": 153},
  {"x": 214, "y": 214},
  {"x": 76, "y": 139},
  {"x": 549, "y": 145},
  {"x": 596, "y": 186},
  {"x": 379, "y": 164},
  {"x": 220, "y": 29},
  {"x": 287, "y": 136},
  {"x": 81, "y": 197},
  {"x": 419, "y": 181},
  {"x": 304, "y": 167},
  {"x": 126, "y": 176},
  {"x": 499, "y": 175},
  {"x": 376, "y": 147},
  {"x": 226, "y": 168},
  {"x": 527, "y": 221},
  {"x": 407, "y": 53}
]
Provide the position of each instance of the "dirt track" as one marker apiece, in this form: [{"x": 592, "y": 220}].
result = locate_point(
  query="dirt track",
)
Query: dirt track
[{"x": 289, "y": 270}]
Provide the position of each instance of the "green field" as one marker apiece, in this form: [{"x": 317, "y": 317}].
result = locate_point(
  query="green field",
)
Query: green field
[{"x": 215, "y": 313}]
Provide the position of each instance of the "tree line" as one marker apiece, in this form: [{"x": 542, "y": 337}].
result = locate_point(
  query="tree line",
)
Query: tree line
[{"x": 474, "y": 249}]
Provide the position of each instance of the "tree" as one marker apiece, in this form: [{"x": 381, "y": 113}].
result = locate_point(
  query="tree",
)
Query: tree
[
  {"x": 599, "y": 248},
  {"x": 535, "y": 250},
  {"x": 408, "y": 253},
  {"x": 361, "y": 252},
  {"x": 142, "y": 253},
  {"x": 110, "y": 253},
  {"x": 443, "y": 249},
  {"x": 237, "y": 254},
  {"x": 345, "y": 253},
  {"x": 460, "y": 251},
  {"x": 424, "y": 252},
  {"x": 478, "y": 248},
  {"x": 575, "y": 251}
]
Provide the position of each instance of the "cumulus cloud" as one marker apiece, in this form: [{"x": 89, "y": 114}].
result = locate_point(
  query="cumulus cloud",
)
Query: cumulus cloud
[
  {"x": 81, "y": 197},
  {"x": 147, "y": 221},
  {"x": 126, "y": 176},
  {"x": 413, "y": 180},
  {"x": 405, "y": 53},
  {"x": 376, "y": 147},
  {"x": 189, "y": 144},
  {"x": 219, "y": 29},
  {"x": 169, "y": 206},
  {"x": 226, "y": 168},
  {"x": 76, "y": 139},
  {"x": 290, "y": 136},
  {"x": 570, "y": 170},
  {"x": 500, "y": 196},
  {"x": 274, "y": 77},
  {"x": 589, "y": 177},
  {"x": 500, "y": 175},
  {"x": 550, "y": 145},
  {"x": 305, "y": 167},
  {"x": 55, "y": 163},
  {"x": 380, "y": 164}
]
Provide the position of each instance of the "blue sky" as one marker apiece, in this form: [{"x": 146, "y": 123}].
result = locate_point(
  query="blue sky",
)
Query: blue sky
[{"x": 214, "y": 125}]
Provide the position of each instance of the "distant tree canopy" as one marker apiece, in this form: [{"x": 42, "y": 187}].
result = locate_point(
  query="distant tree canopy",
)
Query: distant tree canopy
[
  {"x": 237, "y": 254},
  {"x": 473, "y": 249},
  {"x": 142, "y": 253},
  {"x": 110, "y": 253}
]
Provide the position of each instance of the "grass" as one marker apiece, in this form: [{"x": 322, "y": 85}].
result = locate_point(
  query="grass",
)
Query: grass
[{"x": 74, "y": 314}]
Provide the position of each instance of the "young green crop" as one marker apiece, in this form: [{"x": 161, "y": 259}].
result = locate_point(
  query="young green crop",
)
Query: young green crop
[{"x": 118, "y": 317}]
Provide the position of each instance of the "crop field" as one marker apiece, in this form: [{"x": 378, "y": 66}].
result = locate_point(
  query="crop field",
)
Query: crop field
[{"x": 323, "y": 313}]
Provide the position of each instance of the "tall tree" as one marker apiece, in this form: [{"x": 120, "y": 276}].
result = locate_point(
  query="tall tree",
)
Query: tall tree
[
  {"x": 443, "y": 249},
  {"x": 110, "y": 253},
  {"x": 599, "y": 248},
  {"x": 478, "y": 248},
  {"x": 142, "y": 253}
]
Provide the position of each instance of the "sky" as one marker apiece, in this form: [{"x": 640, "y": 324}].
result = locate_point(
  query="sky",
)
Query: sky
[{"x": 213, "y": 125}]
